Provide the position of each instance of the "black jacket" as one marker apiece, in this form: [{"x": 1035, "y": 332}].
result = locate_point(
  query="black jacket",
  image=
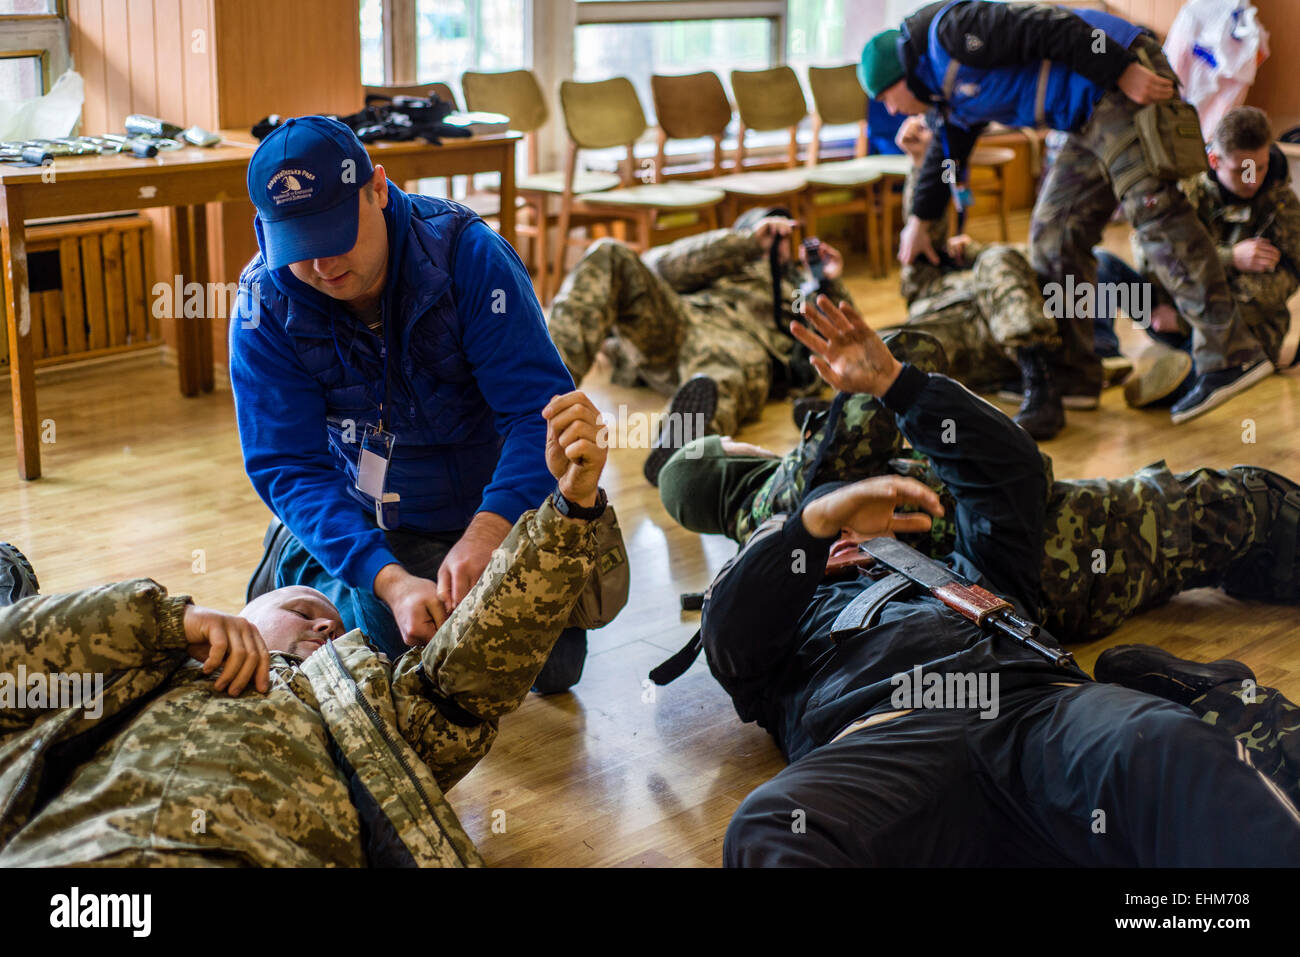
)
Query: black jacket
[{"x": 768, "y": 615}]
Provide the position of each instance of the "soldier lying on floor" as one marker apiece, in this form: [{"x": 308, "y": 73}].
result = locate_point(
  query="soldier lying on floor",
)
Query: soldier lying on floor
[
  {"x": 1109, "y": 548},
  {"x": 1052, "y": 768},
  {"x": 308, "y": 748},
  {"x": 702, "y": 319}
]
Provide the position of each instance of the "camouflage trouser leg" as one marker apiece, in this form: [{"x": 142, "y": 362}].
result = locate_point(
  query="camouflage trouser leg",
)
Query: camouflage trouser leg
[
  {"x": 1112, "y": 547},
  {"x": 738, "y": 363},
  {"x": 1265, "y": 723},
  {"x": 1262, "y": 299},
  {"x": 975, "y": 358},
  {"x": 612, "y": 291},
  {"x": 1008, "y": 295},
  {"x": 1073, "y": 207}
]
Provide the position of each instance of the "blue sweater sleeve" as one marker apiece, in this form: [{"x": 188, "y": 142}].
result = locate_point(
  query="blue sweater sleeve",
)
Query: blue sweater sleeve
[
  {"x": 516, "y": 365},
  {"x": 280, "y": 409}
]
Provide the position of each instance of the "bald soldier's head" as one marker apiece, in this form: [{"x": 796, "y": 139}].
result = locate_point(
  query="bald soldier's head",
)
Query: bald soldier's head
[{"x": 295, "y": 619}]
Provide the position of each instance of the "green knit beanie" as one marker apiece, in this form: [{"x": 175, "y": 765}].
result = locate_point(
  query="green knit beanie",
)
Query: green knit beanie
[{"x": 881, "y": 67}]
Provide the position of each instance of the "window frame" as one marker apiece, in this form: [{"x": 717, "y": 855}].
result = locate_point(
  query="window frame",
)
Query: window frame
[{"x": 42, "y": 55}]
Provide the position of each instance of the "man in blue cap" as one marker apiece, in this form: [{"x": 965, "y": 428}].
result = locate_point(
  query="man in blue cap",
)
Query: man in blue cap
[
  {"x": 389, "y": 363},
  {"x": 1087, "y": 73}
]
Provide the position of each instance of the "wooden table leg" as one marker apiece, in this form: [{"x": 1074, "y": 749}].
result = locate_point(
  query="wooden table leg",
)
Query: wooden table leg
[
  {"x": 193, "y": 335},
  {"x": 202, "y": 327},
  {"x": 506, "y": 218},
  {"x": 18, "y": 316}
]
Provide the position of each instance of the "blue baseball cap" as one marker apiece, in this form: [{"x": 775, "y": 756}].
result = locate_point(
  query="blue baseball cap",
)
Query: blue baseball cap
[{"x": 304, "y": 179}]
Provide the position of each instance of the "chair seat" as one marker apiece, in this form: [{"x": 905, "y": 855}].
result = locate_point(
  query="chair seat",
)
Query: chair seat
[
  {"x": 775, "y": 183},
  {"x": 587, "y": 181},
  {"x": 657, "y": 196},
  {"x": 886, "y": 164},
  {"x": 991, "y": 156},
  {"x": 848, "y": 173}
]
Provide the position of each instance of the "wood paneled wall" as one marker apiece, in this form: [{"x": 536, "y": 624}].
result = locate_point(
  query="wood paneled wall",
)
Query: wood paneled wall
[{"x": 220, "y": 64}]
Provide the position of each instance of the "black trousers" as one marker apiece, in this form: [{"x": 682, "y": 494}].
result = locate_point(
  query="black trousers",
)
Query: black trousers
[{"x": 1092, "y": 775}]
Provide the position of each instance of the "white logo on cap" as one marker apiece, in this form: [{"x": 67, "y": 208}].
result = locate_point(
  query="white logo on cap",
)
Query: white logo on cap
[{"x": 291, "y": 186}]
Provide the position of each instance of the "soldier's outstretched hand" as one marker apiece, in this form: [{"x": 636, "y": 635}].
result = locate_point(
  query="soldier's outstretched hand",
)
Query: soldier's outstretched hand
[
  {"x": 847, "y": 352},
  {"x": 576, "y": 446},
  {"x": 231, "y": 644}
]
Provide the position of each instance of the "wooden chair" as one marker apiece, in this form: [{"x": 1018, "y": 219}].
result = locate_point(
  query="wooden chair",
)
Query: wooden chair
[
  {"x": 838, "y": 100},
  {"x": 768, "y": 100},
  {"x": 994, "y": 160},
  {"x": 604, "y": 115},
  {"x": 696, "y": 106},
  {"x": 517, "y": 94}
]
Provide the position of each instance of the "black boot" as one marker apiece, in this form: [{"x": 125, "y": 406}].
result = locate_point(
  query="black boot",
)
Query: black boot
[
  {"x": 1156, "y": 671},
  {"x": 1041, "y": 413},
  {"x": 17, "y": 579}
]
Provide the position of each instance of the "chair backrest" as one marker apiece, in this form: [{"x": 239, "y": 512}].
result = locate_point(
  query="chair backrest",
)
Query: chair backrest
[
  {"x": 691, "y": 106},
  {"x": 603, "y": 114},
  {"x": 769, "y": 99},
  {"x": 515, "y": 93},
  {"x": 837, "y": 94},
  {"x": 441, "y": 90}
]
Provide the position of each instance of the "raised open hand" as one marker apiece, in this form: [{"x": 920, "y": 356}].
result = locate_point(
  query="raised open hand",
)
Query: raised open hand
[{"x": 847, "y": 352}]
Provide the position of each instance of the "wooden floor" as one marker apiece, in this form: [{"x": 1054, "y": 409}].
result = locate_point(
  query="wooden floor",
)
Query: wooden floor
[{"x": 142, "y": 482}]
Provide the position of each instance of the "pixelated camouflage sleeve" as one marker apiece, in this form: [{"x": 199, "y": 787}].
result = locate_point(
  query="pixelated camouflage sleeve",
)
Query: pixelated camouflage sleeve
[
  {"x": 485, "y": 657},
  {"x": 104, "y": 630},
  {"x": 697, "y": 261}
]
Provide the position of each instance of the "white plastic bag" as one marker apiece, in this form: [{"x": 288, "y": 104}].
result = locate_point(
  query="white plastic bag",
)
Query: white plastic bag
[
  {"x": 44, "y": 117},
  {"x": 1215, "y": 46}
]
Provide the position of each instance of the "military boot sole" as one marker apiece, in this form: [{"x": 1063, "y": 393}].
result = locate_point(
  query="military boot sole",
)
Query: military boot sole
[
  {"x": 696, "y": 401},
  {"x": 1158, "y": 382},
  {"x": 24, "y": 583}
]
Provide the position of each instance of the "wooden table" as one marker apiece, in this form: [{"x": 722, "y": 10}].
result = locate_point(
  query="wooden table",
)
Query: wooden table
[{"x": 185, "y": 180}]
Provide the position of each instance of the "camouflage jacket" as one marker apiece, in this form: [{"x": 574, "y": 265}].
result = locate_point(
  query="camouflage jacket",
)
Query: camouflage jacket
[
  {"x": 723, "y": 276},
  {"x": 1274, "y": 214},
  {"x": 344, "y": 762}
]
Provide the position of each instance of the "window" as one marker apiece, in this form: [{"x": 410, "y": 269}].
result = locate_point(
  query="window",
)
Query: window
[
  {"x": 453, "y": 36},
  {"x": 637, "y": 50},
  {"x": 29, "y": 8},
  {"x": 22, "y": 75},
  {"x": 372, "y": 42}
]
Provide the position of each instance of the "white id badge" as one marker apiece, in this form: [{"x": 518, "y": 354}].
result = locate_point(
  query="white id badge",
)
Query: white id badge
[{"x": 372, "y": 469}]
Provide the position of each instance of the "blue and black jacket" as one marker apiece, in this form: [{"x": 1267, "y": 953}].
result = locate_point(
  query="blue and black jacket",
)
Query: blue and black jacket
[
  {"x": 471, "y": 366},
  {"x": 1022, "y": 66}
]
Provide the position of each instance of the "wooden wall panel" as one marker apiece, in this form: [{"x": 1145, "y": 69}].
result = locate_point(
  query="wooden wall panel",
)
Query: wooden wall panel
[
  {"x": 219, "y": 65},
  {"x": 1156, "y": 14},
  {"x": 1275, "y": 90},
  {"x": 291, "y": 57}
]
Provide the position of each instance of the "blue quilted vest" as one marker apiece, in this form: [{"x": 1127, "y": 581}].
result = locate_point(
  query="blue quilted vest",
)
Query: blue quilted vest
[
  {"x": 1011, "y": 95},
  {"x": 447, "y": 444}
]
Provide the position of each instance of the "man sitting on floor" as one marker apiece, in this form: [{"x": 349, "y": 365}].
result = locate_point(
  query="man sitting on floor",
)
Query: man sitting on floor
[
  {"x": 273, "y": 738},
  {"x": 1246, "y": 202},
  {"x": 1057, "y": 770},
  {"x": 702, "y": 319}
]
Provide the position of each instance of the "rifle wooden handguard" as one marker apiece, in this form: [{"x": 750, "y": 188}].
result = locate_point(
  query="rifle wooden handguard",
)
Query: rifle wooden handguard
[{"x": 971, "y": 601}]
